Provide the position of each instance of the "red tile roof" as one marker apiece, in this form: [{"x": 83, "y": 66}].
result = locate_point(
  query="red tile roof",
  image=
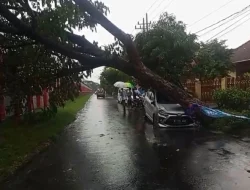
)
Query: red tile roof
[{"x": 242, "y": 53}]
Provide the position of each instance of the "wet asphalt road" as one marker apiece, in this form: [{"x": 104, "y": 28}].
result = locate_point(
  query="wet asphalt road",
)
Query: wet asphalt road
[{"x": 107, "y": 149}]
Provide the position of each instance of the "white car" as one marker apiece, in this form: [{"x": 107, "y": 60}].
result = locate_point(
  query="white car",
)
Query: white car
[{"x": 166, "y": 114}]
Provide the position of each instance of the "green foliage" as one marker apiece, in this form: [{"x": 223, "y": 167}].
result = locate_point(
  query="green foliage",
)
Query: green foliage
[
  {"x": 109, "y": 76},
  {"x": 212, "y": 60},
  {"x": 232, "y": 98},
  {"x": 30, "y": 70},
  {"x": 30, "y": 67},
  {"x": 18, "y": 143},
  {"x": 167, "y": 48},
  {"x": 170, "y": 51}
]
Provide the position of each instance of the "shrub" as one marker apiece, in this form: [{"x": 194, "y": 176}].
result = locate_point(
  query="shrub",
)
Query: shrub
[{"x": 232, "y": 98}]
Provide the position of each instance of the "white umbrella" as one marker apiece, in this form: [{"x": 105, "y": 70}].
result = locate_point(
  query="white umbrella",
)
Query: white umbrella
[{"x": 120, "y": 84}]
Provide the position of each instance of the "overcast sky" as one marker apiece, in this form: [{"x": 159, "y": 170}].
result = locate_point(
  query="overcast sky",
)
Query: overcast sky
[{"x": 126, "y": 13}]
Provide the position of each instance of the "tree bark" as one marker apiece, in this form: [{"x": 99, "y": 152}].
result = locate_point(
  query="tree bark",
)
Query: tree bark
[
  {"x": 134, "y": 67},
  {"x": 140, "y": 71}
]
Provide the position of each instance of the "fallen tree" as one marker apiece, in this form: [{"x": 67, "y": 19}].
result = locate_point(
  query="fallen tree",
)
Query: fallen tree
[{"x": 26, "y": 18}]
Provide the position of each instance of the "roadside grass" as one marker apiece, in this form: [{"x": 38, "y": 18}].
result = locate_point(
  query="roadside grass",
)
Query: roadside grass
[{"x": 18, "y": 144}]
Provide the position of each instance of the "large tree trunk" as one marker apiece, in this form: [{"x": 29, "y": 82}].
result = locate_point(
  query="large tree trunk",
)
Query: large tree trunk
[
  {"x": 134, "y": 67},
  {"x": 141, "y": 72}
]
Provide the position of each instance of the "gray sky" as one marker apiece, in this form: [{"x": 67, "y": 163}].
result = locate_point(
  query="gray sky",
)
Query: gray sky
[{"x": 126, "y": 13}]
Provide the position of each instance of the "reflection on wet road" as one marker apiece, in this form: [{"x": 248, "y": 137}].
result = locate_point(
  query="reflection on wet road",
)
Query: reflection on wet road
[{"x": 107, "y": 149}]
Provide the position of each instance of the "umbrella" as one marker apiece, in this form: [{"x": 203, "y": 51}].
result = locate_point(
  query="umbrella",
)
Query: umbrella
[
  {"x": 120, "y": 84},
  {"x": 128, "y": 85}
]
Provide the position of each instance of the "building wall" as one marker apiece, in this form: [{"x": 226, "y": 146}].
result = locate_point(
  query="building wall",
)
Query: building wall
[
  {"x": 242, "y": 67},
  {"x": 232, "y": 74}
]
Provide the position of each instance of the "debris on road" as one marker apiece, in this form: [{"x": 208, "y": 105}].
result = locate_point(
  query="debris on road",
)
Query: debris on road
[
  {"x": 247, "y": 169},
  {"x": 246, "y": 139}
]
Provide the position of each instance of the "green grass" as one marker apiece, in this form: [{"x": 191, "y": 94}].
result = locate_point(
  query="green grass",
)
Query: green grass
[{"x": 19, "y": 143}]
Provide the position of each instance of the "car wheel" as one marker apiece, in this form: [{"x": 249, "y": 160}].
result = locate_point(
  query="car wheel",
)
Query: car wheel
[{"x": 155, "y": 122}]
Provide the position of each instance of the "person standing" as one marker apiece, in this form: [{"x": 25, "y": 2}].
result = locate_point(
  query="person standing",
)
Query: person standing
[
  {"x": 134, "y": 93},
  {"x": 130, "y": 97},
  {"x": 123, "y": 98}
]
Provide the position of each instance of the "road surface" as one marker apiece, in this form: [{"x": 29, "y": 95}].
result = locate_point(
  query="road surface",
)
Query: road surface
[{"x": 107, "y": 149}]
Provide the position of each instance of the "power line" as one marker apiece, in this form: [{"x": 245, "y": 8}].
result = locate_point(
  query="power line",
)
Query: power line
[
  {"x": 236, "y": 16},
  {"x": 152, "y": 5},
  {"x": 211, "y": 13},
  {"x": 146, "y": 12},
  {"x": 158, "y": 5},
  {"x": 228, "y": 27},
  {"x": 171, "y": 1},
  {"x": 144, "y": 25},
  {"x": 223, "y": 19},
  {"x": 234, "y": 28}
]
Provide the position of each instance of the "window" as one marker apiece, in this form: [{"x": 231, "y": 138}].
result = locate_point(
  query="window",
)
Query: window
[
  {"x": 150, "y": 95},
  {"x": 163, "y": 99}
]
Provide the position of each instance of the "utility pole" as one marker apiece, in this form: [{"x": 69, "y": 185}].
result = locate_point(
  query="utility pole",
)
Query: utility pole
[{"x": 144, "y": 26}]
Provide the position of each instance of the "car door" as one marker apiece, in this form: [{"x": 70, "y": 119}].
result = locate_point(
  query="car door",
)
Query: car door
[
  {"x": 146, "y": 104},
  {"x": 151, "y": 106}
]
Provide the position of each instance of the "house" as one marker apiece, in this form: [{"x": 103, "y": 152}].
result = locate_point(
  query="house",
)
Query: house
[
  {"x": 85, "y": 89},
  {"x": 241, "y": 60}
]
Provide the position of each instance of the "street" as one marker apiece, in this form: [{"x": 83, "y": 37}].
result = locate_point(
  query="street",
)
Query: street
[{"x": 106, "y": 148}]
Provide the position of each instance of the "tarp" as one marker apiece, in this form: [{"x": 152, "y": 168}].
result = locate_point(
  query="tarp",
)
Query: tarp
[{"x": 213, "y": 113}]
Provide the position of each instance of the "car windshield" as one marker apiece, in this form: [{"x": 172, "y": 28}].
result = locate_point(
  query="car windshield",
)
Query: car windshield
[
  {"x": 100, "y": 90},
  {"x": 163, "y": 99}
]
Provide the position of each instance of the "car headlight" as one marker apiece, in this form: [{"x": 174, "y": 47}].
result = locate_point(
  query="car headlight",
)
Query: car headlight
[{"x": 162, "y": 112}]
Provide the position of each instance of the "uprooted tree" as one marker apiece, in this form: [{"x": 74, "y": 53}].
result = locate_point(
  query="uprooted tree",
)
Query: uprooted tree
[
  {"x": 171, "y": 52},
  {"x": 48, "y": 26},
  {"x": 168, "y": 50}
]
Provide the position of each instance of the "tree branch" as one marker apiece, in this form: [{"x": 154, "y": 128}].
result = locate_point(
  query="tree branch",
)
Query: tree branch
[
  {"x": 65, "y": 50},
  {"x": 142, "y": 72},
  {"x": 18, "y": 45},
  {"x": 66, "y": 72},
  {"x": 14, "y": 8},
  {"x": 31, "y": 13},
  {"x": 9, "y": 30},
  {"x": 86, "y": 46},
  {"x": 133, "y": 54}
]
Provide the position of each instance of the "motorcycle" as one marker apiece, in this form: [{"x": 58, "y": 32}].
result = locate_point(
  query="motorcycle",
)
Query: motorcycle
[{"x": 137, "y": 102}]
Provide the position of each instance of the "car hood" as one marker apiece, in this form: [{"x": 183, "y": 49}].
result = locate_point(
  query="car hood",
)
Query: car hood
[{"x": 172, "y": 108}]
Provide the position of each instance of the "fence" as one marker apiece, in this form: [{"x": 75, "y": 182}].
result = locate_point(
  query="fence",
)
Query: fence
[
  {"x": 204, "y": 89},
  {"x": 34, "y": 102}
]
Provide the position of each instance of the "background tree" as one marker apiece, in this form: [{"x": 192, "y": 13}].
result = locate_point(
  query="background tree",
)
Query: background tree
[
  {"x": 52, "y": 23},
  {"x": 29, "y": 66},
  {"x": 167, "y": 48},
  {"x": 212, "y": 60},
  {"x": 110, "y": 75}
]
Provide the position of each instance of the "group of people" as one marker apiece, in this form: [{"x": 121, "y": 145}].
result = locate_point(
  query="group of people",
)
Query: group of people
[{"x": 131, "y": 95}]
